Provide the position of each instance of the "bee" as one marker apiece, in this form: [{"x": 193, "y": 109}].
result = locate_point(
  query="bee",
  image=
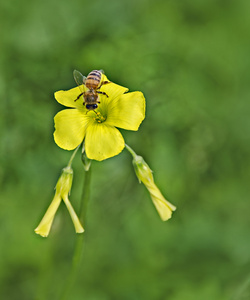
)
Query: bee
[{"x": 93, "y": 83}]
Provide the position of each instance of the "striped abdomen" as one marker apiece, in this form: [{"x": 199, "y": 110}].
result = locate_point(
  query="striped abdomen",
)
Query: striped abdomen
[{"x": 93, "y": 79}]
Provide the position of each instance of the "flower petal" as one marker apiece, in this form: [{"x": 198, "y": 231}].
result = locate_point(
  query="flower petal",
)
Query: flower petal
[
  {"x": 103, "y": 141},
  {"x": 126, "y": 111},
  {"x": 67, "y": 98},
  {"x": 70, "y": 125},
  {"x": 44, "y": 226},
  {"x": 111, "y": 89},
  {"x": 75, "y": 220},
  {"x": 163, "y": 207}
]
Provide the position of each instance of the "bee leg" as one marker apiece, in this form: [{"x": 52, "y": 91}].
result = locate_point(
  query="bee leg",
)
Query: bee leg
[
  {"x": 105, "y": 82},
  {"x": 79, "y": 96},
  {"x": 103, "y": 93}
]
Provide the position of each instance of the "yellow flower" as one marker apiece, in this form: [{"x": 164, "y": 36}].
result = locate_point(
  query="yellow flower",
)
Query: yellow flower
[
  {"x": 63, "y": 188},
  {"x": 98, "y": 128},
  {"x": 144, "y": 174}
]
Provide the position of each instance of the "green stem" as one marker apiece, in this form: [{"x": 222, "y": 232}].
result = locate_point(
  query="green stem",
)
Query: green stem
[
  {"x": 73, "y": 156},
  {"x": 79, "y": 238},
  {"x": 132, "y": 152}
]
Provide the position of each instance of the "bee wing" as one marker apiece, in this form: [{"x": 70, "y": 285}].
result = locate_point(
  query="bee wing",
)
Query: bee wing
[{"x": 79, "y": 79}]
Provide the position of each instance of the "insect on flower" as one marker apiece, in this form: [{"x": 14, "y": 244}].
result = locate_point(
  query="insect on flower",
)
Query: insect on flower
[
  {"x": 93, "y": 83},
  {"x": 97, "y": 125}
]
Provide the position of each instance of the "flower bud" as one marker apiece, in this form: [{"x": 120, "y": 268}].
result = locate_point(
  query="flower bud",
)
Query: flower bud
[
  {"x": 144, "y": 174},
  {"x": 142, "y": 170},
  {"x": 64, "y": 183},
  {"x": 63, "y": 188}
]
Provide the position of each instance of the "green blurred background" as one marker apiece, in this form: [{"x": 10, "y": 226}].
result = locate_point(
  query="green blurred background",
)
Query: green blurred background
[{"x": 191, "y": 60}]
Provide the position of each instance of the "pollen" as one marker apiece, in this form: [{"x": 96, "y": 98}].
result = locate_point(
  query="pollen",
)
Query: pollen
[{"x": 99, "y": 117}]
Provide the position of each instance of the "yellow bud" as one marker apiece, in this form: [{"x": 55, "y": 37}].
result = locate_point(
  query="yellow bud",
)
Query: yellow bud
[
  {"x": 63, "y": 188},
  {"x": 64, "y": 183},
  {"x": 142, "y": 170},
  {"x": 163, "y": 206},
  {"x": 144, "y": 174},
  {"x": 75, "y": 220},
  {"x": 44, "y": 227}
]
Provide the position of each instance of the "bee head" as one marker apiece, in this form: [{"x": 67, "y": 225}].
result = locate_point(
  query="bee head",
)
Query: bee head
[{"x": 91, "y": 106}]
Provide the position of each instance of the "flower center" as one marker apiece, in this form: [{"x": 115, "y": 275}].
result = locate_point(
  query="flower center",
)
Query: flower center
[{"x": 99, "y": 117}]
